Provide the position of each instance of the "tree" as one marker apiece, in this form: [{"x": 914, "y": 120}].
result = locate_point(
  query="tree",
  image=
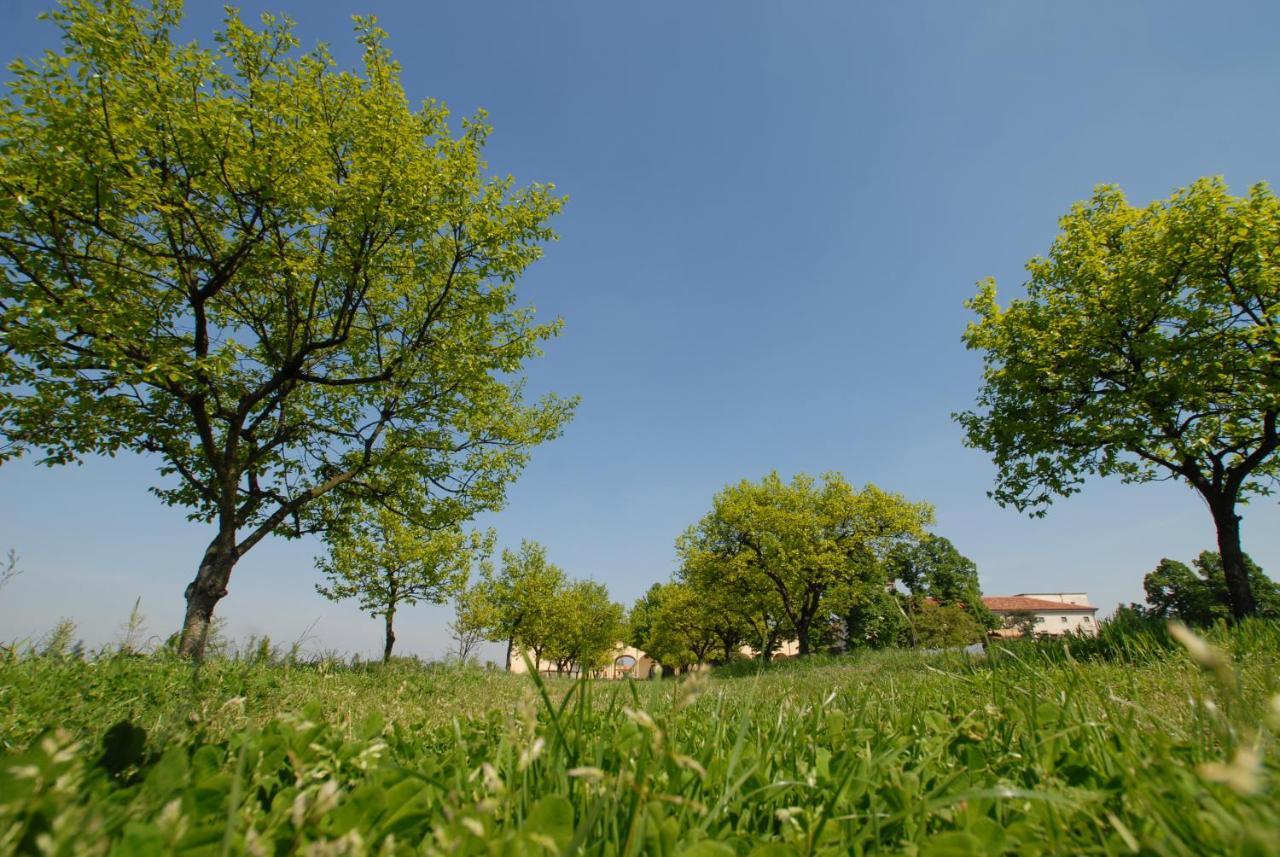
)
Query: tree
[
  {"x": 932, "y": 569},
  {"x": 670, "y": 625},
  {"x": 1147, "y": 347},
  {"x": 278, "y": 278},
  {"x": 873, "y": 617},
  {"x": 802, "y": 539},
  {"x": 520, "y": 599},
  {"x": 1201, "y": 597},
  {"x": 472, "y": 617},
  {"x": 938, "y": 626},
  {"x": 387, "y": 561},
  {"x": 585, "y": 627},
  {"x": 734, "y": 608}
]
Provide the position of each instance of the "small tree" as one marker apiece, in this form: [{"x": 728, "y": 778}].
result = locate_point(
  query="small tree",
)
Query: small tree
[
  {"x": 278, "y": 278},
  {"x": 473, "y": 616},
  {"x": 1147, "y": 347},
  {"x": 670, "y": 624},
  {"x": 387, "y": 562},
  {"x": 931, "y": 568},
  {"x": 519, "y": 599},
  {"x": 873, "y": 617},
  {"x": 585, "y": 627}
]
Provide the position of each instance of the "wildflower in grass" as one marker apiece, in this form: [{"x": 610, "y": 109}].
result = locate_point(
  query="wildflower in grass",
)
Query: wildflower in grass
[
  {"x": 531, "y": 753},
  {"x": 1209, "y": 658},
  {"x": 586, "y": 773},
  {"x": 1241, "y": 774},
  {"x": 692, "y": 686},
  {"x": 689, "y": 763}
]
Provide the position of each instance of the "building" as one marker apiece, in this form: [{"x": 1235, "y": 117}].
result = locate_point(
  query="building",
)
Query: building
[
  {"x": 627, "y": 662},
  {"x": 1052, "y": 613}
]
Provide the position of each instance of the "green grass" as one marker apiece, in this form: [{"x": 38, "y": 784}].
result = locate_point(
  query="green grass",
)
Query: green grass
[{"x": 1035, "y": 750}]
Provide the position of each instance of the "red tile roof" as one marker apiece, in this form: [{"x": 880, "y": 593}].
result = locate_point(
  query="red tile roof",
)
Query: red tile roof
[{"x": 1008, "y": 603}]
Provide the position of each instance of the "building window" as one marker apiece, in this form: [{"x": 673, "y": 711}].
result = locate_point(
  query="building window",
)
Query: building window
[
  {"x": 1039, "y": 620},
  {"x": 1064, "y": 620},
  {"x": 1085, "y": 619}
]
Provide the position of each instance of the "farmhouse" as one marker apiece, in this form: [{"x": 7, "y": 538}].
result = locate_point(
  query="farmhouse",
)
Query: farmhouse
[{"x": 1050, "y": 613}]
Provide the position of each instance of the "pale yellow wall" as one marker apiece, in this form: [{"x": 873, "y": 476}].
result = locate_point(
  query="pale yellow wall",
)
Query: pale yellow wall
[
  {"x": 642, "y": 668},
  {"x": 1055, "y": 624}
]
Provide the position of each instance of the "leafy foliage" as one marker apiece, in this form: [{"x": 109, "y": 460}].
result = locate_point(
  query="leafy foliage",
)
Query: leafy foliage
[
  {"x": 671, "y": 624},
  {"x": 277, "y": 277},
  {"x": 1146, "y": 347},
  {"x": 802, "y": 540},
  {"x": 931, "y": 568},
  {"x": 1201, "y": 597},
  {"x": 518, "y": 600},
  {"x": 585, "y": 627},
  {"x": 938, "y": 626},
  {"x": 530, "y": 604},
  {"x": 387, "y": 561}
]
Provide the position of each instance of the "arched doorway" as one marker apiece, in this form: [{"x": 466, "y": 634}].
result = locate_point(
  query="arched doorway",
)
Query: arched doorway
[{"x": 623, "y": 665}]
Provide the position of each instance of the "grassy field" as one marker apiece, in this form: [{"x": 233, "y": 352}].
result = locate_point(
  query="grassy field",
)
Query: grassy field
[{"x": 1126, "y": 745}]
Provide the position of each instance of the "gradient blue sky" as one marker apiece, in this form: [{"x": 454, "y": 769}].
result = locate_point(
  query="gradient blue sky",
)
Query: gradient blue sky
[{"x": 776, "y": 211}]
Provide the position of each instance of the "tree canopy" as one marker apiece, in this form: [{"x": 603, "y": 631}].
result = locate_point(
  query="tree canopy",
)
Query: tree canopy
[
  {"x": 1147, "y": 347},
  {"x": 531, "y": 604},
  {"x": 801, "y": 540},
  {"x": 279, "y": 278},
  {"x": 387, "y": 561},
  {"x": 519, "y": 598},
  {"x": 1201, "y": 597},
  {"x": 933, "y": 571}
]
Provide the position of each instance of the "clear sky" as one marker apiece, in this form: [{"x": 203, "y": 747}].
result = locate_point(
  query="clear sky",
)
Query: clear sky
[{"x": 776, "y": 212}]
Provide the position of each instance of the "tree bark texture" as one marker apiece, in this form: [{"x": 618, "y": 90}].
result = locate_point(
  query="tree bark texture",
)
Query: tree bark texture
[
  {"x": 391, "y": 634},
  {"x": 204, "y": 593},
  {"x": 1239, "y": 591}
]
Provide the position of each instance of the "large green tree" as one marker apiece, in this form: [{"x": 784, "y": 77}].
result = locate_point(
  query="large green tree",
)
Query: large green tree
[
  {"x": 1201, "y": 597},
  {"x": 1147, "y": 347},
  {"x": 803, "y": 539},
  {"x": 281, "y": 279},
  {"x": 387, "y": 561},
  {"x": 733, "y": 605},
  {"x": 932, "y": 570}
]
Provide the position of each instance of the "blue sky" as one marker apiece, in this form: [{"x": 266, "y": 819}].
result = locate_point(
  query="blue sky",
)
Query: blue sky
[{"x": 776, "y": 212}]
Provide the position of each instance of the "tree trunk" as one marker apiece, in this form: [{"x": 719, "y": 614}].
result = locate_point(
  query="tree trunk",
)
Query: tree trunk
[
  {"x": 391, "y": 634},
  {"x": 203, "y": 594},
  {"x": 802, "y": 638},
  {"x": 1233, "y": 569},
  {"x": 511, "y": 642}
]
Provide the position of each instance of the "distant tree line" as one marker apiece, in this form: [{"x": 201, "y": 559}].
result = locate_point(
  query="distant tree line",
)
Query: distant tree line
[
  {"x": 814, "y": 561},
  {"x": 530, "y": 605}
]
